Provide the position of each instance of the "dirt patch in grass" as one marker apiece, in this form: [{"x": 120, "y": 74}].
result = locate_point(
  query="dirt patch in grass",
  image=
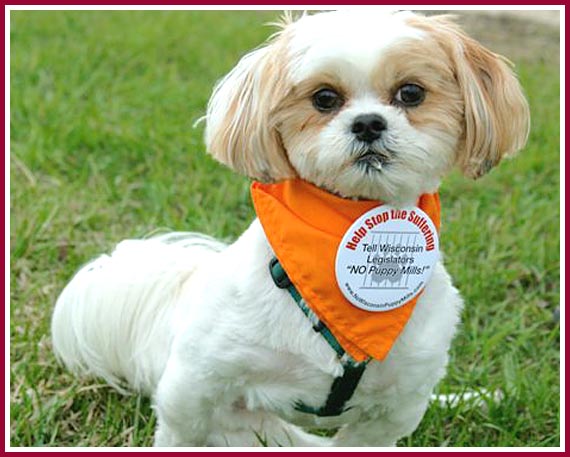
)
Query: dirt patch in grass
[{"x": 518, "y": 35}]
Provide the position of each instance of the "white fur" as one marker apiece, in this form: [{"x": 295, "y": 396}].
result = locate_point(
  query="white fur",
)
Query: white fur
[
  {"x": 349, "y": 42},
  {"x": 417, "y": 168},
  {"x": 349, "y": 45},
  {"x": 201, "y": 327},
  {"x": 227, "y": 354},
  {"x": 111, "y": 320}
]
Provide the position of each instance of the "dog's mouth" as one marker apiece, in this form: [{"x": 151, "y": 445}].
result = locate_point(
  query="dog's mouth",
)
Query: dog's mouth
[{"x": 372, "y": 160}]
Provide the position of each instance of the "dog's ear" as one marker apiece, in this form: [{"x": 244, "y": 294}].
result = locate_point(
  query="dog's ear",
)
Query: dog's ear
[
  {"x": 497, "y": 118},
  {"x": 496, "y": 113},
  {"x": 240, "y": 131}
]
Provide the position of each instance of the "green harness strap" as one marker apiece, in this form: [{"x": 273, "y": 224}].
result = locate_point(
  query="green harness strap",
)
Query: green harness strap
[{"x": 342, "y": 387}]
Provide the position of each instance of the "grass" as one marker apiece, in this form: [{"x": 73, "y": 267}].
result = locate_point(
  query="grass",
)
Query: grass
[{"x": 102, "y": 149}]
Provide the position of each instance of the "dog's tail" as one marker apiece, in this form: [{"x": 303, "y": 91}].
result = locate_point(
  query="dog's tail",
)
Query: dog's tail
[{"x": 114, "y": 319}]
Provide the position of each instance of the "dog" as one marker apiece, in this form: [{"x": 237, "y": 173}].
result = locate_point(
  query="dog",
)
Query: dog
[{"x": 347, "y": 107}]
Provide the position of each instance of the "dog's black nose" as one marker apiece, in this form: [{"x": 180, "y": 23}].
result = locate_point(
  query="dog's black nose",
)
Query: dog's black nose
[{"x": 368, "y": 127}]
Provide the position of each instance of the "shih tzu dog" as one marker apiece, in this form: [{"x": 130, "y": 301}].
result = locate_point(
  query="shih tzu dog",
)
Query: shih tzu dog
[{"x": 347, "y": 121}]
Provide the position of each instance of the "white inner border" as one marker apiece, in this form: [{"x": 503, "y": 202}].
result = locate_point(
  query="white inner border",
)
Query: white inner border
[{"x": 499, "y": 7}]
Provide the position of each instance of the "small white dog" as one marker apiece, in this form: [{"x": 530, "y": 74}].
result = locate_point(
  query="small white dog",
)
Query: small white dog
[{"x": 365, "y": 105}]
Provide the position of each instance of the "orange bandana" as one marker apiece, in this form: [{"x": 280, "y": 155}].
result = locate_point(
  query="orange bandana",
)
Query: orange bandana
[{"x": 304, "y": 226}]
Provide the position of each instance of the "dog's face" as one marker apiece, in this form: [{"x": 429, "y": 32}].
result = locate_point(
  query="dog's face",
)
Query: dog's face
[{"x": 367, "y": 105}]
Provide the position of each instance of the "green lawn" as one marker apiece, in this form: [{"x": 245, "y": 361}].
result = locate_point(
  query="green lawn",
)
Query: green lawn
[{"x": 103, "y": 148}]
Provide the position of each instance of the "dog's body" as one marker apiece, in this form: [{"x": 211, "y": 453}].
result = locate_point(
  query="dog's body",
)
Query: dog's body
[
  {"x": 201, "y": 326},
  {"x": 240, "y": 352}
]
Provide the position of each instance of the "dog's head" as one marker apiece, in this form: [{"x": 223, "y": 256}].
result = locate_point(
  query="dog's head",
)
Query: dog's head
[{"x": 367, "y": 104}]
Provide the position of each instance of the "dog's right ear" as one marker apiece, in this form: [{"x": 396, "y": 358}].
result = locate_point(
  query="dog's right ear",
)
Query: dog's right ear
[
  {"x": 239, "y": 128},
  {"x": 497, "y": 117}
]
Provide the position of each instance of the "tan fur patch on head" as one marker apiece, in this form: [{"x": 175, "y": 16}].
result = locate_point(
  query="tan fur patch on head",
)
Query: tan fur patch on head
[
  {"x": 424, "y": 63},
  {"x": 296, "y": 113},
  {"x": 241, "y": 131},
  {"x": 299, "y": 123},
  {"x": 496, "y": 113}
]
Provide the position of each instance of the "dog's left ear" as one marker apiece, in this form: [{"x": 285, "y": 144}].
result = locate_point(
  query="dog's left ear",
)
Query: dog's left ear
[
  {"x": 497, "y": 118},
  {"x": 239, "y": 124}
]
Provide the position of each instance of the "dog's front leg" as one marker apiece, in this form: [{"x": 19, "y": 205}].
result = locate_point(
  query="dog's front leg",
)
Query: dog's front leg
[
  {"x": 384, "y": 430},
  {"x": 184, "y": 403}
]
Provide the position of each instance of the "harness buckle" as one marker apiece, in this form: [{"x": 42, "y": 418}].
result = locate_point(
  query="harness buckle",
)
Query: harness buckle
[
  {"x": 343, "y": 386},
  {"x": 318, "y": 327},
  {"x": 278, "y": 274}
]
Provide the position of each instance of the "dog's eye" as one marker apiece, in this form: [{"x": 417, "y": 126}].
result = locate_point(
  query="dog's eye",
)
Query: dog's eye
[
  {"x": 327, "y": 100},
  {"x": 410, "y": 95}
]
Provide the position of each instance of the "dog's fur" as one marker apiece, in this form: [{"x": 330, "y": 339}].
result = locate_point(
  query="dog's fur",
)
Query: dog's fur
[{"x": 201, "y": 327}]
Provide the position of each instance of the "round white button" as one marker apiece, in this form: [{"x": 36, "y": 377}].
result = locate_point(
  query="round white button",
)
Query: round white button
[{"x": 386, "y": 257}]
